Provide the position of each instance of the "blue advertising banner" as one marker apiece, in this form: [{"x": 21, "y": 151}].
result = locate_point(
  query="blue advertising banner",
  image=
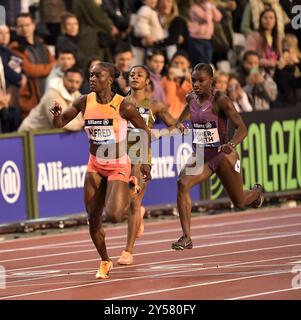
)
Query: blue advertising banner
[
  {"x": 60, "y": 166},
  {"x": 13, "y": 205}
]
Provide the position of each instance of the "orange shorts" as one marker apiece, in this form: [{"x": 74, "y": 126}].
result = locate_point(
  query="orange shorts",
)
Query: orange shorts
[{"x": 113, "y": 169}]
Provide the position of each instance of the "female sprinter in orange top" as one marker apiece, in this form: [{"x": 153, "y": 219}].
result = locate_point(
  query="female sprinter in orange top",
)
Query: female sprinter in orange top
[{"x": 106, "y": 183}]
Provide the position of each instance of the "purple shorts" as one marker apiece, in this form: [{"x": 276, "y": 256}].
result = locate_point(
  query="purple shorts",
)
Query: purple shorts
[{"x": 213, "y": 158}]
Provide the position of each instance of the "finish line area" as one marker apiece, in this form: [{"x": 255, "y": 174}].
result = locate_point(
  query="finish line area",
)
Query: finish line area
[{"x": 247, "y": 255}]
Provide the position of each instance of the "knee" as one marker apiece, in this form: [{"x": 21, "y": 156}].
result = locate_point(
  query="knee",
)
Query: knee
[
  {"x": 115, "y": 216},
  {"x": 182, "y": 186},
  {"x": 94, "y": 222}
]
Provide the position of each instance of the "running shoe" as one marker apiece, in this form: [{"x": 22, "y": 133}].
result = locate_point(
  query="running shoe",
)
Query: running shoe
[
  {"x": 134, "y": 185},
  {"x": 182, "y": 243},
  {"x": 141, "y": 228},
  {"x": 126, "y": 258},
  {"x": 104, "y": 269},
  {"x": 259, "y": 201}
]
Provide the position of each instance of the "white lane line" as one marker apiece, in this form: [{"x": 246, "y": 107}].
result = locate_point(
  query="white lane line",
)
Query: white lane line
[
  {"x": 146, "y": 253},
  {"x": 194, "y": 286},
  {"x": 290, "y": 212},
  {"x": 158, "y": 275},
  {"x": 263, "y": 294},
  {"x": 170, "y": 240},
  {"x": 179, "y": 259},
  {"x": 257, "y": 220}
]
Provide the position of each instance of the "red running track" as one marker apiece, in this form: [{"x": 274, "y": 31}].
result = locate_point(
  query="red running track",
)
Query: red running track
[{"x": 249, "y": 255}]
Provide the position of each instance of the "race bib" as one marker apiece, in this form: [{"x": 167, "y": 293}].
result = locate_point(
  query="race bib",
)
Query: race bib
[
  {"x": 144, "y": 113},
  {"x": 100, "y": 131},
  {"x": 206, "y": 134}
]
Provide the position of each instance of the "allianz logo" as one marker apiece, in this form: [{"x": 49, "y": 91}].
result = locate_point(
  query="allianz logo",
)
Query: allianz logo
[
  {"x": 52, "y": 176},
  {"x": 163, "y": 167},
  {"x": 10, "y": 182}
]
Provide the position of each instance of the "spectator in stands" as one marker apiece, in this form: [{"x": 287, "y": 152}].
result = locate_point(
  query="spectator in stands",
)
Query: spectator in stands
[
  {"x": 155, "y": 61},
  {"x": 175, "y": 28},
  {"x": 69, "y": 38},
  {"x": 221, "y": 79},
  {"x": 237, "y": 16},
  {"x": 50, "y": 12},
  {"x": 237, "y": 95},
  {"x": 94, "y": 23},
  {"x": 266, "y": 41},
  {"x": 259, "y": 85},
  {"x": 222, "y": 40},
  {"x": 4, "y": 101},
  {"x": 123, "y": 59},
  {"x": 250, "y": 20},
  {"x": 64, "y": 90},
  {"x": 184, "y": 6},
  {"x": 203, "y": 14},
  {"x": 119, "y": 12},
  {"x": 147, "y": 30},
  {"x": 37, "y": 62},
  {"x": 288, "y": 73},
  {"x": 12, "y": 65},
  {"x": 177, "y": 83},
  {"x": 12, "y": 80},
  {"x": 65, "y": 60}
]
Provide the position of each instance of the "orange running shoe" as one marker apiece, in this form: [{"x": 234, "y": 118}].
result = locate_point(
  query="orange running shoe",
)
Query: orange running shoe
[
  {"x": 134, "y": 186},
  {"x": 104, "y": 269},
  {"x": 126, "y": 258},
  {"x": 141, "y": 228}
]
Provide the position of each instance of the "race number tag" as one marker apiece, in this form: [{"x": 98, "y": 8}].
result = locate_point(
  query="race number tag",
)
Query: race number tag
[
  {"x": 206, "y": 134},
  {"x": 144, "y": 113},
  {"x": 100, "y": 131},
  {"x": 237, "y": 166}
]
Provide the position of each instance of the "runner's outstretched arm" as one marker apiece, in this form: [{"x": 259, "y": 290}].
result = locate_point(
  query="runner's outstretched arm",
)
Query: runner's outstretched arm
[{"x": 61, "y": 118}]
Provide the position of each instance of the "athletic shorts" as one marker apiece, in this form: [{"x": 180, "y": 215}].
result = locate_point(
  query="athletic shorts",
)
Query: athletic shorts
[
  {"x": 213, "y": 158},
  {"x": 114, "y": 169}
]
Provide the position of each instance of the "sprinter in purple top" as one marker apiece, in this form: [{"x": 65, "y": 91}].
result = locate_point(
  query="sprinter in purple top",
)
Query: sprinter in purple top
[{"x": 210, "y": 111}]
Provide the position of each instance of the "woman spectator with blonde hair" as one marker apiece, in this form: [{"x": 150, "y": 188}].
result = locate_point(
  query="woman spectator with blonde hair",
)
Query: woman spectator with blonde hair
[
  {"x": 237, "y": 95},
  {"x": 221, "y": 79}
]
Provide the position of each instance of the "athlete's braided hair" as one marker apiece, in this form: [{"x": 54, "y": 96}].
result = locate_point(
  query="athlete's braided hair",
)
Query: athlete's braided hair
[
  {"x": 114, "y": 72},
  {"x": 208, "y": 68}
]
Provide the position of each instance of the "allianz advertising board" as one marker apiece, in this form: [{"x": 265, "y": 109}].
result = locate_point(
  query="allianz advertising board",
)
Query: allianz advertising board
[
  {"x": 61, "y": 159},
  {"x": 13, "y": 205}
]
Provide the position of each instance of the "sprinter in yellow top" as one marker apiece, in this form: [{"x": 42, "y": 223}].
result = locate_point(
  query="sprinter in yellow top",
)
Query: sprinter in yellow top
[{"x": 149, "y": 109}]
